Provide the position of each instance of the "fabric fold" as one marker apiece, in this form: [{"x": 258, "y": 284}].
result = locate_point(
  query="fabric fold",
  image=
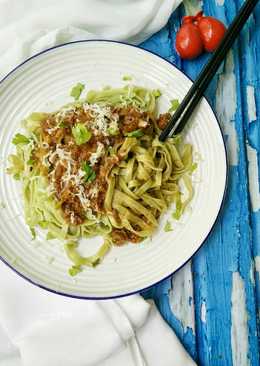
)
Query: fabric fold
[
  {"x": 30, "y": 26},
  {"x": 43, "y": 328},
  {"x": 72, "y": 332}
]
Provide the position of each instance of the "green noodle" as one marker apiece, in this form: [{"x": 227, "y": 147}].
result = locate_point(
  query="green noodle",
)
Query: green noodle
[{"x": 140, "y": 188}]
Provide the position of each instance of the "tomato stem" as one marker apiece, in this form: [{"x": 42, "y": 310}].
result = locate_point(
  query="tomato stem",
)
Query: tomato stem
[{"x": 198, "y": 15}]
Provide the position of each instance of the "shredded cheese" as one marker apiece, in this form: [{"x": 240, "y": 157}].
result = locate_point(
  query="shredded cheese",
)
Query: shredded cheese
[
  {"x": 64, "y": 112},
  {"x": 89, "y": 214},
  {"x": 102, "y": 118},
  {"x": 53, "y": 129},
  {"x": 60, "y": 153},
  {"x": 72, "y": 217},
  {"x": 85, "y": 202},
  {"x": 114, "y": 122},
  {"x": 93, "y": 192},
  {"x": 94, "y": 157}
]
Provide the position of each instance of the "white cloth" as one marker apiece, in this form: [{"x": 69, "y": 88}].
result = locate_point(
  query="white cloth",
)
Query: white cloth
[
  {"x": 29, "y": 26},
  {"x": 40, "y": 328},
  {"x": 51, "y": 330}
]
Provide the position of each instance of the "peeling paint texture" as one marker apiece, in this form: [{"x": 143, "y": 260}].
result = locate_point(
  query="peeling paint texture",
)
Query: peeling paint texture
[
  {"x": 226, "y": 90},
  {"x": 182, "y": 292},
  {"x": 257, "y": 266},
  {"x": 203, "y": 312},
  {"x": 213, "y": 302},
  {"x": 239, "y": 336},
  {"x": 220, "y": 2},
  {"x": 253, "y": 178},
  {"x": 251, "y": 107}
]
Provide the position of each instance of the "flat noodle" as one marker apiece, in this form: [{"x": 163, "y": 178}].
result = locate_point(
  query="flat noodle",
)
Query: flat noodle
[{"x": 141, "y": 176}]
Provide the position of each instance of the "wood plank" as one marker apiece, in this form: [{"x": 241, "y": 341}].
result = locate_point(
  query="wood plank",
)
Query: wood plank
[
  {"x": 223, "y": 288},
  {"x": 250, "y": 75},
  {"x": 223, "y": 274}
]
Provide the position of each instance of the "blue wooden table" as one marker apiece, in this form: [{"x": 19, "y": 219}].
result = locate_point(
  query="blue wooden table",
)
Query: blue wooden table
[{"x": 213, "y": 303}]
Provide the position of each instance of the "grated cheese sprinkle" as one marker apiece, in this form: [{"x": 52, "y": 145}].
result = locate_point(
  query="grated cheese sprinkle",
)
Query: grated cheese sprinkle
[
  {"x": 93, "y": 191},
  {"x": 94, "y": 157},
  {"x": 85, "y": 202},
  {"x": 102, "y": 117}
]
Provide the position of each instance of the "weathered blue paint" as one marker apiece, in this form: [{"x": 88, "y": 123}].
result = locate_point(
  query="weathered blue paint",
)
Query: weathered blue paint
[
  {"x": 251, "y": 78},
  {"x": 226, "y": 329}
]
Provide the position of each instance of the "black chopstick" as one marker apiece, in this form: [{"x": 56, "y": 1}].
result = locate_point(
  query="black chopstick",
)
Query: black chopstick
[{"x": 192, "y": 98}]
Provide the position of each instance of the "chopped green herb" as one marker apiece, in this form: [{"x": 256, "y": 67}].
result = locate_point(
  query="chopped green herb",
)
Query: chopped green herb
[
  {"x": 111, "y": 150},
  {"x": 77, "y": 90},
  {"x": 81, "y": 134},
  {"x": 20, "y": 139},
  {"x": 16, "y": 176},
  {"x": 74, "y": 270},
  {"x": 113, "y": 131},
  {"x": 193, "y": 167},
  {"x": 32, "y": 230},
  {"x": 127, "y": 78},
  {"x": 91, "y": 177},
  {"x": 90, "y": 174},
  {"x": 168, "y": 227},
  {"x": 63, "y": 125},
  {"x": 136, "y": 133},
  {"x": 174, "y": 105},
  {"x": 30, "y": 162},
  {"x": 43, "y": 224},
  {"x": 157, "y": 93},
  {"x": 16, "y": 166}
]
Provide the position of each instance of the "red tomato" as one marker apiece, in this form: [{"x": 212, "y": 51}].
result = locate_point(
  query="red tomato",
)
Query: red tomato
[
  {"x": 211, "y": 30},
  {"x": 188, "y": 41}
]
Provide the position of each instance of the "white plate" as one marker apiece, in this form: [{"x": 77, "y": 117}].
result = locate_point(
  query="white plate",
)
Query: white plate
[{"x": 43, "y": 83}]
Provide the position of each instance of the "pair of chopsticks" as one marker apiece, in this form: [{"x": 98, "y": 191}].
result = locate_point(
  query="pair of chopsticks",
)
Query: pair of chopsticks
[{"x": 192, "y": 98}]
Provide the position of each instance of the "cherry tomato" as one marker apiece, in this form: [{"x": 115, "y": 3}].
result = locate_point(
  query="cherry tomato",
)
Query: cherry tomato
[
  {"x": 189, "y": 44},
  {"x": 211, "y": 31}
]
